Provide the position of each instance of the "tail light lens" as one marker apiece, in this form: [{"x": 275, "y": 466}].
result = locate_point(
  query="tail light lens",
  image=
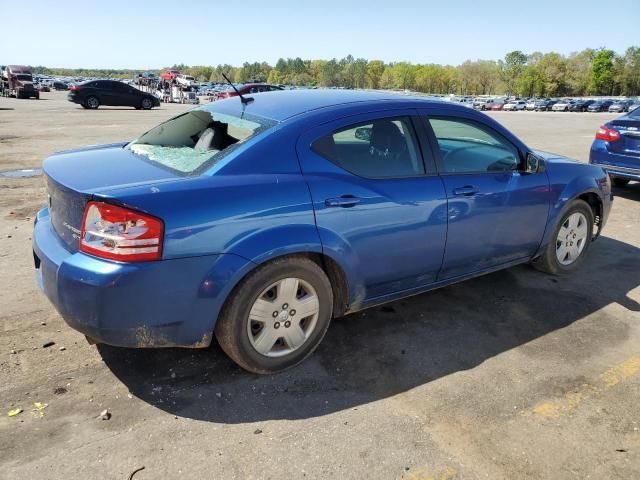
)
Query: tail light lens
[
  {"x": 75, "y": 88},
  {"x": 118, "y": 233},
  {"x": 608, "y": 134}
]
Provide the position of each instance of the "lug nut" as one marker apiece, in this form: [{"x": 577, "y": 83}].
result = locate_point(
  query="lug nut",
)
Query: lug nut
[
  {"x": 285, "y": 306},
  {"x": 292, "y": 313},
  {"x": 287, "y": 324},
  {"x": 276, "y": 325},
  {"x": 274, "y": 314}
]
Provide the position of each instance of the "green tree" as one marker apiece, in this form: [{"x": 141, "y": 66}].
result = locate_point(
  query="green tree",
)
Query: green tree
[
  {"x": 375, "y": 68},
  {"x": 511, "y": 69},
  {"x": 602, "y": 72}
]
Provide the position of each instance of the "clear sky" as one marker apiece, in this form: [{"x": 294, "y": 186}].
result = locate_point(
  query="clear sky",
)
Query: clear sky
[{"x": 153, "y": 34}]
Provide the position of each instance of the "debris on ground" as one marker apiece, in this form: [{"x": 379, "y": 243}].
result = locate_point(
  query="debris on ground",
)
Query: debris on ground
[
  {"x": 38, "y": 411},
  {"x": 63, "y": 348},
  {"x": 135, "y": 471},
  {"x": 59, "y": 391},
  {"x": 13, "y": 412},
  {"x": 13, "y": 352},
  {"x": 104, "y": 415},
  {"x": 43, "y": 323},
  {"x": 48, "y": 344},
  {"x": 257, "y": 431}
]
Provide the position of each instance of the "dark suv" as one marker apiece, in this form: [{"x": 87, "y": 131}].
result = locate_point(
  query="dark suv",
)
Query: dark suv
[{"x": 94, "y": 93}]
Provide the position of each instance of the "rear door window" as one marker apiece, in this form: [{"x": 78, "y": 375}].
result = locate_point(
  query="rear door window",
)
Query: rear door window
[{"x": 383, "y": 148}]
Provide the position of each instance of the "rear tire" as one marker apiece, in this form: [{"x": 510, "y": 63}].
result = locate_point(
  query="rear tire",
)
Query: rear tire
[
  {"x": 619, "y": 182},
  {"x": 241, "y": 324},
  {"x": 92, "y": 102},
  {"x": 570, "y": 241}
]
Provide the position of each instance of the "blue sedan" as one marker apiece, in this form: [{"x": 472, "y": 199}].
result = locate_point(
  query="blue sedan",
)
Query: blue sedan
[
  {"x": 258, "y": 220},
  {"x": 617, "y": 148}
]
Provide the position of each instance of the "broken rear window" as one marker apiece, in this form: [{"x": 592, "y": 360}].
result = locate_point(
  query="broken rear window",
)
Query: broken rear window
[{"x": 195, "y": 141}]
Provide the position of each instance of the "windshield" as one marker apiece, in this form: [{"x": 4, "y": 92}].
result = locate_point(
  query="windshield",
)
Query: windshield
[
  {"x": 195, "y": 141},
  {"x": 24, "y": 77}
]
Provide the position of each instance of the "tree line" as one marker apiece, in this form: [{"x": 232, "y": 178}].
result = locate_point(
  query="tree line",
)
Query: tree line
[{"x": 589, "y": 72}]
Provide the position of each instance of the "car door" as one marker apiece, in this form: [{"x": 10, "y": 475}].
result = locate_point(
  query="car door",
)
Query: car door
[
  {"x": 376, "y": 205},
  {"x": 105, "y": 92},
  {"x": 123, "y": 96},
  {"x": 496, "y": 212}
]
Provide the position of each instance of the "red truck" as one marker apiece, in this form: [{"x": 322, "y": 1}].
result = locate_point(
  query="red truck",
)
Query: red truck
[
  {"x": 17, "y": 81},
  {"x": 170, "y": 75}
]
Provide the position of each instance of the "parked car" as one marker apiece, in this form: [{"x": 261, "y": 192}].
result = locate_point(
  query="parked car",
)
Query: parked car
[
  {"x": 620, "y": 106},
  {"x": 43, "y": 87},
  {"x": 112, "y": 93},
  {"x": 600, "y": 106},
  {"x": 483, "y": 103},
  {"x": 633, "y": 106},
  {"x": 60, "y": 86},
  {"x": 261, "y": 221},
  {"x": 544, "y": 105},
  {"x": 515, "y": 105},
  {"x": 561, "y": 106},
  {"x": 617, "y": 148},
  {"x": 580, "y": 105},
  {"x": 246, "y": 89},
  {"x": 531, "y": 105},
  {"x": 497, "y": 106}
]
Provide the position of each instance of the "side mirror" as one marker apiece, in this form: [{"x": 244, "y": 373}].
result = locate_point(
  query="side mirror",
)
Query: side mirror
[
  {"x": 532, "y": 163},
  {"x": 363, "y": 133}
]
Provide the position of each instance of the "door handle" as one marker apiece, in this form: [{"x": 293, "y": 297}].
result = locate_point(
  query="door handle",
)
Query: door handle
[
  {"x": 467, "y": 190},
  {"x": 344, "y": 201}
]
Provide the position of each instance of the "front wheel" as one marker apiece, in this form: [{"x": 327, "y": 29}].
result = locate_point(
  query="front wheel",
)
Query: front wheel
[
  {"x": 146, "y": 103},
  {"x": 570, "y": 242},
  {"x": 277, "y": 316}
]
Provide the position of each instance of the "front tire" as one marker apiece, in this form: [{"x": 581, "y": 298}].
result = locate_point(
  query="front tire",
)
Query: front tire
[
  {"x": 277, "y": 315},
  {"x": 146, "y": 104},
  {"x": 570, "y": 242}
]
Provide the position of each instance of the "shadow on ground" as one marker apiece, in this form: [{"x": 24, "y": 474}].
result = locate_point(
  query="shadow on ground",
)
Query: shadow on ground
[
  {"x": 391, "y": 349},
  {"x": 630, "y": 192}
]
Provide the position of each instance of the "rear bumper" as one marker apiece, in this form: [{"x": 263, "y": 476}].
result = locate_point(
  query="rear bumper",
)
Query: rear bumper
[
  {"x": 168, "y": 303},
  {"x": 614, "y": 163}
]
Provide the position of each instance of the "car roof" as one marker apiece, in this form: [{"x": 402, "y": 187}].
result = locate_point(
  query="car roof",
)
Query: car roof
[{"x": 284, "y": 104}]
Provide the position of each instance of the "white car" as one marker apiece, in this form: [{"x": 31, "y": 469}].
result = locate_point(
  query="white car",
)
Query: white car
[
  {"x": 515, "y": 105},
  {"x": 561, "y": 106},
  {"x": 531, "y": 105},
  {"x": 186, "y": 81}
]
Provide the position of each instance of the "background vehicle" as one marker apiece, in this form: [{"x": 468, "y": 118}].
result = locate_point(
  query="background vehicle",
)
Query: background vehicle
[
  {"x": 246, "y": 89},
  {"x": 544, "y": 105},
  {"x": 170, "y": 75},
  {"x": 580, "y": 105},
  {"x": 111, "y": 92},
  {"x": 497, "y": 106},
  {"x": 186, "y": 81},
  {"x": 57, "y": 85},
  {"x": 600, "y": 106},
  {"x": 561, "y": 106},
  {"x": 531, "y": 104},
  {"x": 307, "y": 186},
  {"x": 620, "y": 106},
  {"x": 515, "y": 105},
  {"x": 617, "y": 148},
  {"x": 17, "y": 81},
  {"x": 483, "y": 103},
  {"x": 146, "y": 78}
]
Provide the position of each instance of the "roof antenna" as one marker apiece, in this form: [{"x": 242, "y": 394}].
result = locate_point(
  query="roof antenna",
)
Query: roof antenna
[{"x": 242, "y": 99}]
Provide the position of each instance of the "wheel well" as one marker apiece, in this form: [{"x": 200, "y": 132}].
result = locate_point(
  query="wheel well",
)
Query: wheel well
[
  {"x": 596, "y": 207},
  {"x": 336, "y": 276}
]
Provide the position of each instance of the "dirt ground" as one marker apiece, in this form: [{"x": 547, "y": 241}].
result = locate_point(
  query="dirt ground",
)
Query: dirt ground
[{"x": 515, "y": 375}]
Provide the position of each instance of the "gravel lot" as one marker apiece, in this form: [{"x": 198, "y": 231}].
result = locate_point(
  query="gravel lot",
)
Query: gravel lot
[{"x": 515, "y": 375}]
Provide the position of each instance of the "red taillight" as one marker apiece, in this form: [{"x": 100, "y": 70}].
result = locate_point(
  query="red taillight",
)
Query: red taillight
[
  {"x": 117, "y": 233},
  {"x": 75, "y": 88},
  {"x": 608, "y": 134}
]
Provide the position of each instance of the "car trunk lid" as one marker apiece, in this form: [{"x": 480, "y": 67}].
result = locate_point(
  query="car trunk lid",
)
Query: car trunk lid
[
  {"x": 629, "y": 143},
  {"x": 74, "y": 177}
]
